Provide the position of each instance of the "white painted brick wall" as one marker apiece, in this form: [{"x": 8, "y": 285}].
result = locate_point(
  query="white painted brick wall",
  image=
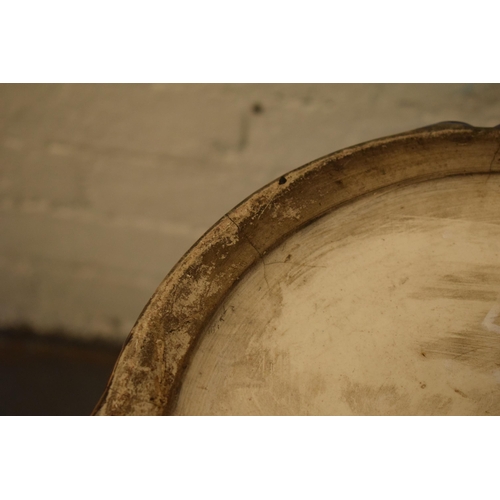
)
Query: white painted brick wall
[{"x": 104, "y": 187}]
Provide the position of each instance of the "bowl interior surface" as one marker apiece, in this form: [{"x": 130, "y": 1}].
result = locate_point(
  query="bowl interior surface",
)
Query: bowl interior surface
[{"x": 388, "y": 305}]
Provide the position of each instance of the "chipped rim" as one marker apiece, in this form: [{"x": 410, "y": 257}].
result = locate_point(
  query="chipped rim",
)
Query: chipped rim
[{"x": 147, "y": 377}]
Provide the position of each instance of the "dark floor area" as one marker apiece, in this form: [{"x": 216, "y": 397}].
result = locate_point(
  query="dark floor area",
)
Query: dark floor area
[{"x": 52, "y": 374}]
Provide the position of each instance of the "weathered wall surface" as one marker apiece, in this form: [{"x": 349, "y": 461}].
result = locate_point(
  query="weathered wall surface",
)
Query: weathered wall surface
[{"x": 104, "y": 187}]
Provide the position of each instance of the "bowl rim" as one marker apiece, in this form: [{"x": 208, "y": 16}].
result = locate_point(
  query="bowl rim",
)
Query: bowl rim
[{"x": 147, "y": 376}]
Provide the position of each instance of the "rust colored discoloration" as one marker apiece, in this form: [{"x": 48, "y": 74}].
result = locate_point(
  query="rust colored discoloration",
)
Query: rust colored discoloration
[
  {"x": 480, "y": 283},
  {"x": 458, "y": 391},
  {"x": 369, "y": 400},
  {"x": 147, "y": 376},
  {"x": 432, "y": 292},
  {"x": 476, "y": 347}
]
